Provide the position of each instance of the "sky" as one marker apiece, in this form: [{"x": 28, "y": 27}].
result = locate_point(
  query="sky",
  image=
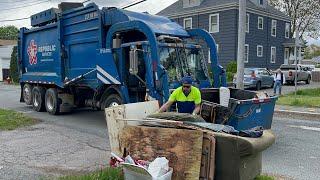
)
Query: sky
[{"x": 16, "y": 9}]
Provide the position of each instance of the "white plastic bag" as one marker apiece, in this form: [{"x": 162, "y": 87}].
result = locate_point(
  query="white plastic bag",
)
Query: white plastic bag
[{"x": 158, "y": 167}]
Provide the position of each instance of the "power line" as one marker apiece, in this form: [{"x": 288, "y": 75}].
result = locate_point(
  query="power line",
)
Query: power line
[
  {"x": 18, "y": 7},
  {"x": 14, "y": 1},
  {"x": 21, "y": 2},
  {"x": 132, "y": 4},
  {"x": 18, "y": 19}
]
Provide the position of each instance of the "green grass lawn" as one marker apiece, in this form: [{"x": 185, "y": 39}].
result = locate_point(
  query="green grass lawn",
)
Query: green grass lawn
[
  {"x": 104, "y": 174},
  {"x": 306, "y": 98},
  {"x": 116, "y": 174},
  {"x": 10, "y": 120},
  {"x": 263, "y": 177}
]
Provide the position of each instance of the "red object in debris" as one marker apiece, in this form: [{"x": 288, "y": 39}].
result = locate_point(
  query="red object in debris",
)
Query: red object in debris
[
  {"x": 113, "y": 162},
  {"x": 290, "y": 73}
]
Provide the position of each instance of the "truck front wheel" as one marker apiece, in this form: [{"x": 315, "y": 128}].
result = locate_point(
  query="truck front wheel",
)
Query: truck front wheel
[
  {"x": 38, "y": 98},
  {"x": 52, "y": 101},
  {"x": 111, "y": 100},
  {"x": 27, "y": 94}
]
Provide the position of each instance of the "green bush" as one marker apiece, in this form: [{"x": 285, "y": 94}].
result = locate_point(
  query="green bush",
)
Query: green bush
[
  {"x": 232, "y": 67},
  {"x": 14, "y": 74},
  {"x": 230, "y": 76},
  {"x": 231, "y": 70}
]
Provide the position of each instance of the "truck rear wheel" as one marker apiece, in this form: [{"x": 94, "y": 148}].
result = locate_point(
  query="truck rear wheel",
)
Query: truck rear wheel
[
  {"x": 27, "y": 94},
  {"x": 52, "y": 102},
  {"x": 38, "y": 98},
  {"x": 111, "y": 100}
]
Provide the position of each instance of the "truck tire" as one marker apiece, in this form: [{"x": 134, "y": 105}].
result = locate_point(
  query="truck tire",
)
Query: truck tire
[
  {"x": 308, "y": 80},
  {"x": 111, "y": 100},
  {"x": 52, "y": 102},
  {"x": 258, "y": 86},
  {"x": 38, "y": 98},
  {"x": 27, "y": 94}
]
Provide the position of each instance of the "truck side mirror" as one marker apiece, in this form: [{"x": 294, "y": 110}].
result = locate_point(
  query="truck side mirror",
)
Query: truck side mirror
[{"x": 133, "y": 66}]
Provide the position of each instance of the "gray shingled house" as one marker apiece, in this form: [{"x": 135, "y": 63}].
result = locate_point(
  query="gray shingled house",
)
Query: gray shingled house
[{"x": 267, "y": 29}]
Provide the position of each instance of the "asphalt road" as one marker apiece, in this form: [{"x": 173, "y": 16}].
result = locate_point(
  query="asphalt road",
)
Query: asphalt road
[
  {"x": 77, "y": 142},
  {"x": 59, "y": 145},
  {"x": 296, "y": 152}
]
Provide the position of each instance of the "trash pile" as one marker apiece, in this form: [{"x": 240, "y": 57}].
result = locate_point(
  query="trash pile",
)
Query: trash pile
[
  {"x": 198, "y": 123},
  {"x": 158, "y": 169},
  {"x": 197, "y": 147}
]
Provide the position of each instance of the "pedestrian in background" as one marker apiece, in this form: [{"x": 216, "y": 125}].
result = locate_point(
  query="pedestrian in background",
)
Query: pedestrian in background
[{"x": 279, "y": 80}]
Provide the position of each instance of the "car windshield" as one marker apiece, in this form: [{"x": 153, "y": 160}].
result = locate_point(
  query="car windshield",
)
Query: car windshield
[
  {"x": 180, "y": 62},
  {"x": 288, "y": 67},
  {"x": 248, "y": 71}
]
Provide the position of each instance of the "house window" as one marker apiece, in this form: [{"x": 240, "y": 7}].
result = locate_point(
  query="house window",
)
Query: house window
[
  {"x": 260, "y": 22},
  {"x": 260, "y": 2},
  {"x": 287, "y": 33},
  {"x": 273, "y": 28},
  {"x": 214, "y": 23},
  {"x": 209, "y": 57},
  {"x": 259, "y": 51},
  {"x": 246, "y": 53},
  {"x": 247, "y": 23},
  {"x": 187, "y": 23},
  {"x": 273, "y": 54}
]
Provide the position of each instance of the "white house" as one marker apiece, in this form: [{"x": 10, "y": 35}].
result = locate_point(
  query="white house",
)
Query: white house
[{"x": 5, "y": 56}]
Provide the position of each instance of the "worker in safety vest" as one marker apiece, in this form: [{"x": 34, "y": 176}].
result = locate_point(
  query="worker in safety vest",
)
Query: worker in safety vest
[{"x": 188, "y": 98}]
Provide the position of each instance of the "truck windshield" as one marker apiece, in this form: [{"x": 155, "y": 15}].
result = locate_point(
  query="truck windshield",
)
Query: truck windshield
[{"x": 180, "y": 62}]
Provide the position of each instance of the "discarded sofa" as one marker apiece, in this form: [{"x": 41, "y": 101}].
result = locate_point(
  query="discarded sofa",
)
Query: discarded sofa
[{"x": 240, "y": 158}]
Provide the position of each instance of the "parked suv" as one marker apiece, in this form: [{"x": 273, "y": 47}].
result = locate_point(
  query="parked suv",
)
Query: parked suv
[
  {"x": 256, "y": 78},
  {"x": 303, "y": 74}
]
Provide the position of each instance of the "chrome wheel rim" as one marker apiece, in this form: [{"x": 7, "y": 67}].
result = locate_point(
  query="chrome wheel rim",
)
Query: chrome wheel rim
[
  {"x": 50, "y": 103},
  {"x": 26, "y": 94},
  {"x": 113, "y": 104},
  {"x": 36, "y": 99}
]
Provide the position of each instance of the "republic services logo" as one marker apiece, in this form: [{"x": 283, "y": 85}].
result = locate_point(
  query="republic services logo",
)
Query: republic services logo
[{"x": 32, "y": 52}]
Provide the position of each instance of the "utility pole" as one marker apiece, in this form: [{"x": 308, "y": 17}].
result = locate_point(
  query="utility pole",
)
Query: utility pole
[
  {"x": 241, "y": 43},
  {"x": 296, "y": 60}
]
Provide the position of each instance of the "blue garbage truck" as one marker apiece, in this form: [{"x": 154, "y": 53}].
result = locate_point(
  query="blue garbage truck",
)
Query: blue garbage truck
[{"x": 76, "y": 56}]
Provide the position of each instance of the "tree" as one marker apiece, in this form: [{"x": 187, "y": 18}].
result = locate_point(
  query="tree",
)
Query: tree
[
  {"x": 312, "y": 51},
  {"x": 14, "y": 74},
  {"x": 9, "y": 32},
  {"x": 304, "y": 13}
]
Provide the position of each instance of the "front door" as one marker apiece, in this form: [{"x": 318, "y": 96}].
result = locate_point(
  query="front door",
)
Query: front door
[{"x": 286, "y": 55}]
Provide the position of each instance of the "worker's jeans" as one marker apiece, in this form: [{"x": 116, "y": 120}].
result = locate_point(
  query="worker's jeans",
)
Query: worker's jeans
[{"x": 276, "y": 85}]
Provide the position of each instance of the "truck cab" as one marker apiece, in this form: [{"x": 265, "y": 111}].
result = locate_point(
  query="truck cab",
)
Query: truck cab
[{"x": 175, "y": 61}]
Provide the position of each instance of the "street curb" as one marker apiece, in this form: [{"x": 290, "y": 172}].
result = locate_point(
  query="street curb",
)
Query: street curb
[{"x": 300, "y": 114}]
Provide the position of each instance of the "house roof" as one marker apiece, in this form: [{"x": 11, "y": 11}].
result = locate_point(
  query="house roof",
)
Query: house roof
[
  {"x": 4, "y": 42},
  {"x": 177, "y": 8}
]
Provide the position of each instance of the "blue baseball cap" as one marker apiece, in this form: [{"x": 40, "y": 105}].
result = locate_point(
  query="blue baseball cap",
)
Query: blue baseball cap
[{"x": 187, "y": 80}]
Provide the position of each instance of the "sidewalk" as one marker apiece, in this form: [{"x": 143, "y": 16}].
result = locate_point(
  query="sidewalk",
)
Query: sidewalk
[{"x": 297, "y": 111}]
